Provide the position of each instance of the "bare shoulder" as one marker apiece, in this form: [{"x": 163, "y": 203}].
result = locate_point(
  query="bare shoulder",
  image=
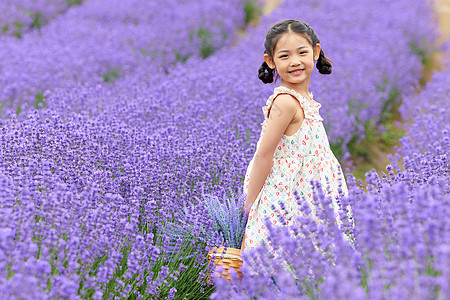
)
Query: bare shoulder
[
  {"x": 283, "y": 111},
  {"x": 284, "y": 105}
]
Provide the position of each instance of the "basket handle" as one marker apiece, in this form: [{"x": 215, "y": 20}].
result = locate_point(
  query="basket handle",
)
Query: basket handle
[{"x": 242, "y": 245}]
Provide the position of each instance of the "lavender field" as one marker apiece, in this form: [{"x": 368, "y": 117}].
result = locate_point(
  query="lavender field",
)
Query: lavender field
[{"x": 117, "y": 118}]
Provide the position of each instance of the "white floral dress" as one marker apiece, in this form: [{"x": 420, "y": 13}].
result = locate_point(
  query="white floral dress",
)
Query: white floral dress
[{"x": 298, "y": 159}]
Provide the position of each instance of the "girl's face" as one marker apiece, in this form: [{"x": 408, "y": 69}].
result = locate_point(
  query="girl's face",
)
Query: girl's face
[{"x": 293, "y": 58}]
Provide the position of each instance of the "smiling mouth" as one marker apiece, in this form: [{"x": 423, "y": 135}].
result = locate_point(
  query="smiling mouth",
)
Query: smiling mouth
[{"x": 296, "y": 71}]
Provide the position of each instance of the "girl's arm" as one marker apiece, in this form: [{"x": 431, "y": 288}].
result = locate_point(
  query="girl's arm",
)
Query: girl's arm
[{"x": 280, "y": 116}]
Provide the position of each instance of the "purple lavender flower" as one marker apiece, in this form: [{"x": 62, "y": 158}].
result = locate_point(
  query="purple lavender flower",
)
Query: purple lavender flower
[{"x": 94, "y": 168}]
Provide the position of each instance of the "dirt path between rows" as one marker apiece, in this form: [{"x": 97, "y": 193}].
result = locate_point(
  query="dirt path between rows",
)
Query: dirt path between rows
[
  {"x": 442, "y": 18},
  {"x": 379, "y": 157},
  {"x": 442, "y": 9},
  {"x": 270, "y": 5}
]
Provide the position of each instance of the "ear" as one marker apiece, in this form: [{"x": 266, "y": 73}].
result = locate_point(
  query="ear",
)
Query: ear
[
  {"x": 317, "y": 52},
  {"x": 269, "y": 61}
]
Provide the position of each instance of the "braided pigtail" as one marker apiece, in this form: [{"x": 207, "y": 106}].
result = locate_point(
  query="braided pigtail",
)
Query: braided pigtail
[
  {"x": 323, "y": 63},
  {"x": 265, "y": 73}
]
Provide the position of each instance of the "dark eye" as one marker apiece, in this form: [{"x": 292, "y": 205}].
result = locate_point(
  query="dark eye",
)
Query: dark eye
[
  {"x": 283, "y": 56},
  {"x": 303, "y": 52}
]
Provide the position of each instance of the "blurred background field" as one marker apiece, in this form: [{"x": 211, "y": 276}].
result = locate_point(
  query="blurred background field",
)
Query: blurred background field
[
  {"x": 379, "y": 147},
  {"x": 119, "y": 117}
]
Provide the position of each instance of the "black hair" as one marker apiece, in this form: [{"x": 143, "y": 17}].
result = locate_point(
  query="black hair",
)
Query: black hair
[{"x": 265, "y": 73}]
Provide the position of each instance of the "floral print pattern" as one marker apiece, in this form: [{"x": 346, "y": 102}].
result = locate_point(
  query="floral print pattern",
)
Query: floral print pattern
[{"x": 298, "y": 159}]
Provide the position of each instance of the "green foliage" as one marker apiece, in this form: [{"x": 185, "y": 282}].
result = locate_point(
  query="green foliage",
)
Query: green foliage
[
  {"x": 247, "y": 135},
  {"x": 38, "y": 20},
  {"x": 364, "y": 277},
  {"x": 388, "y": 105},
  {"x": 38, "y": 100},
  {"x": 355, "y": 106},
  {"x": 18, "y": 109},
  {"x": 391, "y": 136},
  {"x": 172, "y": 257},
  {"x": 252, "y": 11},
  {"x": 384, "y": 139},
  {"x": 245, "y": 138},
  {"x": 150, "y": 53},
  {"x": 181, "y": 58},
  {"x": 9, "y": 272},
  {"x": 361, "y": 148},
  {"x": 336, "y": 147},
  {"x": 186, "y": 283},
  {"x": 422, "y": 52},
  {"x": 74, "y": 2},
  {"x": 2, "y": 104},
  {"x": 18, "y": 29},
  {"x": 111, "y": 75},
  {"x": 380, "y": 134},
  {"x": 206, "y": 48}
]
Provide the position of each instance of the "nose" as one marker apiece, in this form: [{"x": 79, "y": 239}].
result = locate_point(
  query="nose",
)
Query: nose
[{"x": 295, "y": 61}]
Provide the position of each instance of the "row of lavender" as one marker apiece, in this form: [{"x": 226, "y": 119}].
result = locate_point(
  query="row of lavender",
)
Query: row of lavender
[
  {"x": 92, "y": 181},
  {"x": 20, "y": 16},
  {"x": 60, "y": 186},
  {"x": 399, "y": 247},
  {"x": 193, "y": 115},
  {"x": 371, "y": 68},
  {"x": 101, "y": 40}
]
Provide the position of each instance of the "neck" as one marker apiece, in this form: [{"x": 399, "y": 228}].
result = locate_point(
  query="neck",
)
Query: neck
[{"x": 301, "y": 89}]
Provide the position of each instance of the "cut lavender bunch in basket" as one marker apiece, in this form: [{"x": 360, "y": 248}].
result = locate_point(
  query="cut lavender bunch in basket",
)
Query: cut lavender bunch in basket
[{"x": 227, "y": 217}]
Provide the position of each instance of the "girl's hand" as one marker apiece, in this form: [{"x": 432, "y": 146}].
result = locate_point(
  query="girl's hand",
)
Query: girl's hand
[{"x": 247, "y": 206}]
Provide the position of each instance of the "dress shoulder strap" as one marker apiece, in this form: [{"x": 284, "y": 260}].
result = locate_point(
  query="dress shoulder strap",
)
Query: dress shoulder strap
[{"x": 283, "y": 90}]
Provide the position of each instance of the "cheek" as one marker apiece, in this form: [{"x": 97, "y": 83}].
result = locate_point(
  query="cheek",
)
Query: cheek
[
  {"x": 281, "y": 65},
  {"x": 277, "y": 63},
  {"x": 311, "y": 61}
]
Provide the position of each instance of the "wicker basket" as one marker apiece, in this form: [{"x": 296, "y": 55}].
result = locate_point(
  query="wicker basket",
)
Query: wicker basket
[{"x": 231, "y": 259}]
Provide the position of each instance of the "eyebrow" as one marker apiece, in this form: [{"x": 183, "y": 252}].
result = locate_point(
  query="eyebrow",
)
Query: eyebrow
[{"x": 284, "y": 50}]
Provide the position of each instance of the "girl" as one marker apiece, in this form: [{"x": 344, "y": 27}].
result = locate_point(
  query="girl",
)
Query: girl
[{"x": 293, "y": 147}]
